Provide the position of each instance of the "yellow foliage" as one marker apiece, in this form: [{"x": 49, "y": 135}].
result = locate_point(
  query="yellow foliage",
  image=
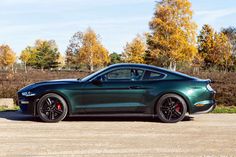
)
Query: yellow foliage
[
  {"x": 7, "y": 56},
  {"x": 92, "y": 53},
  {"x": 134, "y": 52},
  {"x": 173, "y": 32},
  {"x": 215, "y": 48},
  {"x": 61, "y": 61},
  {"x": 25, "y": 56}
]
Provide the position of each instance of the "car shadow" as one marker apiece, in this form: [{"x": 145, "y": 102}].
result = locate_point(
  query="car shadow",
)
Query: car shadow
[{"x": 18, "y": 116}]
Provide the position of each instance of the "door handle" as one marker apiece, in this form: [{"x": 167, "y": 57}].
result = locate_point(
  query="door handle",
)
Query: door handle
[{"x": 135, "y": 87}]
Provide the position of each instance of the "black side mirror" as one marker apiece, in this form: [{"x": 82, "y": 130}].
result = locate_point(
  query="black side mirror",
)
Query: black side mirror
[{"x": 97, "y": 82}]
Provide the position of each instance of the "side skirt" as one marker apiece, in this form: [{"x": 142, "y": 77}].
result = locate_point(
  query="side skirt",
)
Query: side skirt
[{"x": 115, "y": 115}]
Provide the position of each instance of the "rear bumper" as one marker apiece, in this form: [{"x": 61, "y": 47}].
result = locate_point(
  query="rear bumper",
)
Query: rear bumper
[
  {"x": 207, "y": 111},
  {"x": 207, "y": 108}
]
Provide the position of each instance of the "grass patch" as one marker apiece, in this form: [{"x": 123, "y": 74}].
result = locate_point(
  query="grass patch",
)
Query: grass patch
[
  {"x": 224, "y": 109},
  {"x": 2, "y": 109}
]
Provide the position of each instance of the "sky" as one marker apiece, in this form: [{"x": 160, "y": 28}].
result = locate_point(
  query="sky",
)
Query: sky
[{"x": 116, "y": 21}]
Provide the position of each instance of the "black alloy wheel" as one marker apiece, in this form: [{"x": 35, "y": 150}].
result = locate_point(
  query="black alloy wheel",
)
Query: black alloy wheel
[
  {"x": 52, "y": 108},
  {"x": 171, "y": 108}
]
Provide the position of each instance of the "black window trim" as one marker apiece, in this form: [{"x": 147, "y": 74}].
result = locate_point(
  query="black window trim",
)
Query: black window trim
[{"x": 138, "y": 68}]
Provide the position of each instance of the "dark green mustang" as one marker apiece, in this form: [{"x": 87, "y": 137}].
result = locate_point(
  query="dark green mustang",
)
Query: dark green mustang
[{"x": 120, "y": 90}]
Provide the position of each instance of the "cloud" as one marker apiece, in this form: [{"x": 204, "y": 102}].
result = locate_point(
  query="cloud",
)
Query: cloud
[{"x": 211, "y": 16}]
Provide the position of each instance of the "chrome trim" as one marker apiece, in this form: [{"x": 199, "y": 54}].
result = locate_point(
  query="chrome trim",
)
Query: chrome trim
[{"x": 24, "y": 102}]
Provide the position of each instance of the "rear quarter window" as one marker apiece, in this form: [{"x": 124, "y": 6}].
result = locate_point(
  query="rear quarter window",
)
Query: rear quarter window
[{"x": 150, "y": 75}]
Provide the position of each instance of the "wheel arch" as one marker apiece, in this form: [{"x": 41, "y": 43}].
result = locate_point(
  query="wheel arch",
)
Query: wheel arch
[
  {"x": 54, "y": 92},
  {"x": 182, "y": 95}
]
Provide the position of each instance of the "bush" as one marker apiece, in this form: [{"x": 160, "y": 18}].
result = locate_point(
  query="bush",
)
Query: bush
[{"x": 224, "y": 83}]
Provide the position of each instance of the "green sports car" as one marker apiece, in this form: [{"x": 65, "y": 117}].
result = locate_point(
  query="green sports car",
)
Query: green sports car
[{"x": 120, "y": 90}]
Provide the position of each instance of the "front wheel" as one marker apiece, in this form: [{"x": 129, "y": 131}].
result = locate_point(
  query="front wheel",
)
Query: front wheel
[
  {"x": 171, "y": 108},
  {"x": 52, "y": 108}
]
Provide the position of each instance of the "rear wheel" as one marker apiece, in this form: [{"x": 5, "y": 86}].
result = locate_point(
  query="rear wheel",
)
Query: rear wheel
[
  {"x": 52, "y": 108},
  {"x": 171, "y": 108}
]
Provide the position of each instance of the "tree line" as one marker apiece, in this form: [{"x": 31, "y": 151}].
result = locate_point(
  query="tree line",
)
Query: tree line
[{"x": 172, "y": 42}]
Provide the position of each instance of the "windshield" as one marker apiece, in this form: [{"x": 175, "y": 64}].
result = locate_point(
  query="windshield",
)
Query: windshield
[{"x": 92, "y": 75}]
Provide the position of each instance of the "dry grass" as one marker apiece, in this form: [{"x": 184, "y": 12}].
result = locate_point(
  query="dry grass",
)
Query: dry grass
[{"x": 225, "y": 83}]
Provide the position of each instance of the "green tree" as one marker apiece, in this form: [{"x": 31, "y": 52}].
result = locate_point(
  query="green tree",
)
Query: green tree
[
  {"x": 44, "y": 54},
  {"x": 173, "y": 34},
  {"x": 134, "y": 52},
  {"x": 115, "y": 58}
]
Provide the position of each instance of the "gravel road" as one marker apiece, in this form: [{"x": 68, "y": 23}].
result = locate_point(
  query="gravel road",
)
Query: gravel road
[{"x": 200, "y": 135}]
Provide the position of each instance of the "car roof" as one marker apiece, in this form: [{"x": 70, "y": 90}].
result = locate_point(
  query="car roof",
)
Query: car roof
[{"x": 151, "y": 67}]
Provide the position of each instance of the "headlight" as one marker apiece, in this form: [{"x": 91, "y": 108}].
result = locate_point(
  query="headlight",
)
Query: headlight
[
  {"x": 209, "y": 87},
  {"x": 28, "y": 94}
]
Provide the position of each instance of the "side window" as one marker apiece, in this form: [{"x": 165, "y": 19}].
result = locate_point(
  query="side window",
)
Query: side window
[
  {"x": 136, "y": 74},
  {"x": 121, "y": 74},
  {"x": 150, "y": 75}
]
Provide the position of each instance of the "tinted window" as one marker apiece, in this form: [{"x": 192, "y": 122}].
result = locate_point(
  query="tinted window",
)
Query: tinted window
[
  {"x": 136, "y": 74},
  {"x": 150, "y": 75},
  {"x": 123, "y": 75}
]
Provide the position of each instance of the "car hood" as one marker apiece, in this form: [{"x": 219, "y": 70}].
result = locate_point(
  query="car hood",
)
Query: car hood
[{"x": 50, "y": 82}]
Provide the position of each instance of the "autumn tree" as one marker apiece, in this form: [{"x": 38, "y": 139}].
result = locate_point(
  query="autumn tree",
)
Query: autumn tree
[
  {"x": 87, "y": 49},
  {"x": 206, "y": 43},
  {"x": 61, "y": 61},
  {"x": 115, "y": 58},
  {"x": 72, "y": 50},
  {"x": 215, "y": 48},
  {"x": 230, "y": 32},
  {"x": 173, "y": 34},
  {"x": 44, "y": 54},
  {"x": 222, "y": 51},
  {"x": 7, "y": 56},
  {"x": 25, "y": 57},
  {"x": 134, "y": 51}
]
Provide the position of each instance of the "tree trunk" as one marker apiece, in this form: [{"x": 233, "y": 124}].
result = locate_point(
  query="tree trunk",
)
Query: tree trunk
[
  {"x": 25, "y": 67},
  {"x": 172, "y": 65},
  {"x": 91, "y": 68}
]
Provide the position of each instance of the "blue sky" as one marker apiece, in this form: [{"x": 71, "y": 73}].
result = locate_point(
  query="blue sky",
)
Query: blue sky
[{"x": 117, "y": 22}]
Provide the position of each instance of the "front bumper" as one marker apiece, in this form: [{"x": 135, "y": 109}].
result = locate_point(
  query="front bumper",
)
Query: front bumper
[{"x": 27, "y": 104}]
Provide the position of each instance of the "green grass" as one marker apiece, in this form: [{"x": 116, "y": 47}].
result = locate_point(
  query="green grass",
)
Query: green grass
[
  {"x": 224, "y": 109},
  {"x": 7, "y": 109}
]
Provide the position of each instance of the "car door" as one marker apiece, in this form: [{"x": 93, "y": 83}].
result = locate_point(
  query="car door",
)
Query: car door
[{"x": 117, "y": 91}]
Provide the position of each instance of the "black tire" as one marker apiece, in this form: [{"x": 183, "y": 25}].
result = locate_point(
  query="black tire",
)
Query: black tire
[
  {"x": 171, "y": 108},
  {"x": 52, "y": 108}
]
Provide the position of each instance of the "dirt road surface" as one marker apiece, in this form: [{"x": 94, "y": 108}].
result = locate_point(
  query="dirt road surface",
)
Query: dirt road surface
[{"x": 201, "y": 135}]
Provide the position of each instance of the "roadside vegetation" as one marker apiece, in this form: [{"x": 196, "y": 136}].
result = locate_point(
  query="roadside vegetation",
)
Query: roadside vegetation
[
  {"x": 16, "y": 108},
  {"x": 172, "y": 42},
  {"x": 225, "y": 109}
]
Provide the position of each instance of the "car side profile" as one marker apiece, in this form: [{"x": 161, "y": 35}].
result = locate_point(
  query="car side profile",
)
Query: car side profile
[{"x": 120, "y": 90}]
